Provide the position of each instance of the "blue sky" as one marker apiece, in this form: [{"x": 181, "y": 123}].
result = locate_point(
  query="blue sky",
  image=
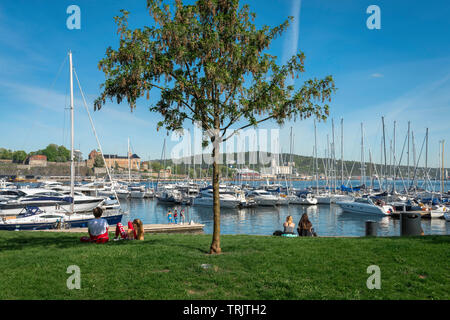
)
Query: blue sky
[{"x": 401, "y": 71}]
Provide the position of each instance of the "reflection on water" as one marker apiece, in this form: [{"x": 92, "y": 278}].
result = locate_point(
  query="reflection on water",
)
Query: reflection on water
[{"x": 327, "y": 220}]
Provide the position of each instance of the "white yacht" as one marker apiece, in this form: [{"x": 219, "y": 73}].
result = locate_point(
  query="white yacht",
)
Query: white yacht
[
  {"x": 47, "y": 199},
  {"x": 303, "y": 199},
  {"x": 366, "y": 205},
  {"x": 263, "y": 198},
  {"x": 228, "y": 199},
  {"x": 36, "y": 219},
  {"x": 323, "y": 198},
  {"x": 283, "y": 200},
  {"x": 438, "y": 211},
  {"x": 149, "y": 193},
  {"x": 168, "y": 193},
  {"x": 137, "y": 192}
]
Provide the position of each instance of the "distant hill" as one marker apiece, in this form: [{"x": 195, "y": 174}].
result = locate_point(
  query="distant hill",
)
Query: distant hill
[{"x": 304, "y": 165}]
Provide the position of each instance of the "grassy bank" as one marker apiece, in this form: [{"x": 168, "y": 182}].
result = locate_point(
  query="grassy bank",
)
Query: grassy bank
[{"x": 33, "y": 266}]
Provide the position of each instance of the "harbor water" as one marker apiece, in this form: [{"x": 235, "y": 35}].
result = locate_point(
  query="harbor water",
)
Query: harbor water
[{"x": 327, "y": 220}]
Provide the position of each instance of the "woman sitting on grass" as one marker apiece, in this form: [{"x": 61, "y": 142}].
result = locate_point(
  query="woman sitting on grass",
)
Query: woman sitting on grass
[
  {"x": 135, "y": 230},
  {"x": 305, "y": 228},
  {"x": 97, "y": 228},
  {"x": 289, "y": 226},
  {"x": 288, "y": 230}
]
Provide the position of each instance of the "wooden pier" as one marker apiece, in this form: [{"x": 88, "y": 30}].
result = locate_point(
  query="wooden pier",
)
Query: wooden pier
[
  {"x": 194, "y": 228},
  {"x": 423, "y": 214}
]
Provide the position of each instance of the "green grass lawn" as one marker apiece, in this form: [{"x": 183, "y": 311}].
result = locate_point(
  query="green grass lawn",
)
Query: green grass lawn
[{"x": 33, "y": 265}]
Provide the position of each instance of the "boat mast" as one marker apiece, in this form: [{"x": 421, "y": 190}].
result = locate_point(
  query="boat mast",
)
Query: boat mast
[
  {"x": 408, "y": 155},
  {"x": 395, "y": 160},
  {"x": 384, "y": 146},
  {"x": 333, "y": 166},
  {"x": 342, "y": 151},
  {"x": 363, "y": 169},
  {"x": 72, "y": 169},
  {"x": 315, "y": 157},
  {"x": 129, "y": 162},
  {"x": 442, "y": 170},
  {"x": 426, "y": 158}
]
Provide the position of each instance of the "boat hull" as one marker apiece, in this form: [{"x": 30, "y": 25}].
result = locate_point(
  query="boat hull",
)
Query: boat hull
[
  {"x": 75, "y": 223},
  {"x": 354, "y": 207},
  {"x": 16, "y": 208}
]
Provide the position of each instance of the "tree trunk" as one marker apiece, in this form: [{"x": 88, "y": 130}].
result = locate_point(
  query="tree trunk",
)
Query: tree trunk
[{"x": 215, "y": 245}]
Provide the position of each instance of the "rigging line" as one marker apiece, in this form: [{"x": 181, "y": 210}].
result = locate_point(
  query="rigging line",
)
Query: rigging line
[
  {"x": 96, "y": 137},
  {"x": 27, "y": 135}
]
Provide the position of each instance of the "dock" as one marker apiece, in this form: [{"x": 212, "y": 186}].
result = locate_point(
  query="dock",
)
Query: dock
[
  {"x": 423, "y": 214},
  {"x": 194, "y": 228}
]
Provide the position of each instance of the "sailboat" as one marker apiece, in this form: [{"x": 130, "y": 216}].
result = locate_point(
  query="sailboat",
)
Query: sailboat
[{"x": 34, "y": 218}]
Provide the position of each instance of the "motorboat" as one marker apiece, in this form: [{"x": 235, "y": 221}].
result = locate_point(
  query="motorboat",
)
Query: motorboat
[
  {"x": 438, "y": 211},
  {"x": 48, "y": 199},
  {"x": 283, "y": 199},
  {"x": 262, "y": 197},
  {"x": 323, "y": 198},
  {"x": 228, "y": 199},
  {"x": 137, "y": 192},
  {"x": 149, "y": 193},
  {"x": 307, "y": 199},
  {"x": 366, "y": 205},
  {"x": 33, "y": 218},
  {"x": 169, "y": 194},
  {"x": 10, "y": 194}
]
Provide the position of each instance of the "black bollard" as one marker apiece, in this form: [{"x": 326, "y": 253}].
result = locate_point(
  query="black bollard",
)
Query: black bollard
[
  {"x": 410, "y": 224},
  {"x": 371, "y": 228}
]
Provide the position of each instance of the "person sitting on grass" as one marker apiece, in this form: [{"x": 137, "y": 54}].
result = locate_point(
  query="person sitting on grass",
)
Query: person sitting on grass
[
  {"x": 305, "y": 228},
  {"x": 289, "y": 226},
  {"x": 97, "y": 228},
  {"x": 135, "y": 231}
]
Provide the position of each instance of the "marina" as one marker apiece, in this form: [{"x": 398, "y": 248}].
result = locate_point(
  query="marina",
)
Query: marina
[{"x": 249, "y": 215}]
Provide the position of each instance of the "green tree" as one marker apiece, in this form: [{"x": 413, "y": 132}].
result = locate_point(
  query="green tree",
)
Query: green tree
[
  {"x": 209, "y": 64},
  {"x": 98, "y": 162},
  {"x": 19, "y": 156},
  {"x": 156, "y": 166},
  {"x": 64, "y": 154},
  {"x": 51, "y": 152},
  {"x": 6, "y": 154}
]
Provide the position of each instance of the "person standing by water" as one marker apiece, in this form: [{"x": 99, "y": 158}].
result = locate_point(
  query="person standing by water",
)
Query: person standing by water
[
  {"x": 175, "y": 216},
  {"x": 305, "y": 228},
  {"x": 169, "y": 216},
  {"x": 182, "y": 216}
]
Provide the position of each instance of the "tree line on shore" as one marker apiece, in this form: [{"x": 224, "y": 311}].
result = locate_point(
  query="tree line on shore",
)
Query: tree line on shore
[{"x": 53, "y": 152}]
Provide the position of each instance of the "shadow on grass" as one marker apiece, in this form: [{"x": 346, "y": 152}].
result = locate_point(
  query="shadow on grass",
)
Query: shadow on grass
[
  {"x": 434, "y": 239},
  {"x": 18, "y": 242},
  {"x": 167, "y": 243},
  {"x": 60, "y": 241}
]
